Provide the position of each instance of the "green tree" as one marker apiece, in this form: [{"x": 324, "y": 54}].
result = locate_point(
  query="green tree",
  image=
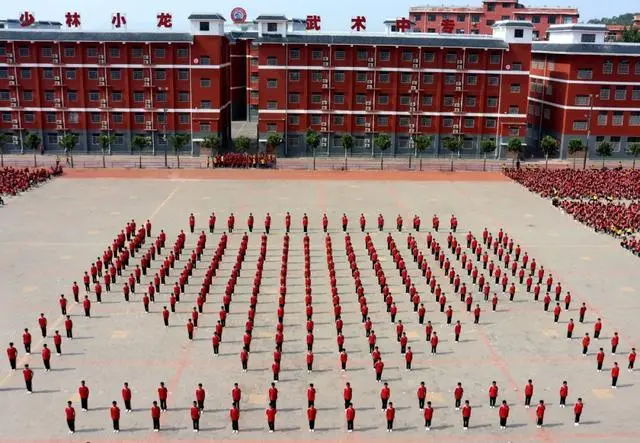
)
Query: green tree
[
  {"x": 422, "y": 143},
  {"x": 575, "y": 145},
  {"x": 274, "y": 140},
  {"x": 632, "y": 149},
  {"x": 622, "y": 19},
  {"x": 4, "y": 141},
  {"x": 549, "y": 146},
  {"x": 604, "y": 150},
  {"x": 242, "y": 143},
  {"x": 68, "y": 143},
  {"x": 105, "y": 141},
  {"x": 32, "y": 141},
  {"x": 313, "y": 141},
  {"x": 487, "y": 146},
  {"x": 453, "y": 144},
  {"x": 383, "y": 142},
  {"x": 178, "y": 142},
  {"x": 515, "y": 148},
  {"x": 139, "y": 143},
  {"x": 211, "y": 142},
  {"x": 631, "y": 35},
  {"x": 347, "y": 144}
]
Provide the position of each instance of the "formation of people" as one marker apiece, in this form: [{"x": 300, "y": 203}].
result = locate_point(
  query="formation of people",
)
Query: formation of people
[
  {"x": 131, "y": 242},
  {"x": 16, "y": 180},
  {"x": 244, "y": 160}
]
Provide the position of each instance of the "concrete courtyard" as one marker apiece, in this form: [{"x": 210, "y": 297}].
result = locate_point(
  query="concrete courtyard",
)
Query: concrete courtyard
[{"x": 49, "y": 236}]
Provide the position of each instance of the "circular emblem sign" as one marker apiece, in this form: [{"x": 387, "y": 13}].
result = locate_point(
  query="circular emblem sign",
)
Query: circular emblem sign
[{"x": 238, "y": 15}]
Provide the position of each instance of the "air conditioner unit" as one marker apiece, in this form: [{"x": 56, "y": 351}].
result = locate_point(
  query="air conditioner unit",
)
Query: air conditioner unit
[
  {"x": 460, "y": 61},
  {"x": 370, "y": 60},
  {"x": 15, "y": 126},
  {"x": 57, "y": 83},
  {"x": 59, "y": 126},
  {"x": 369, "y": 82},
  {"x": 15, "y": 139},
  {"x": 413, "y": 88},
  {"x": 12, "y": 77},
  {"x": 103, "y": 103},
  {"x": 325, "y": 59},
  {"x": 324, "y": 107},
  {"x": 414, "y": 83},
  {"x": 102, "y": 81},
  {"x": 412, "y": 130},
  {"x": 58, "y": 103},
  {"x": 325, "y": 86},
  {"x": 13, "y": 99},
  {"x": 146, "y": 59},
  {"x": 323, "y": 124},
  {"x": 368, "y": 103},
  {"x": 367, "y": 143},
  {"x": 14, "y": 104},
  {"x": 325, "y": 102},
  {"x": 56, "y": 78},
  {"x": 12, "y": 82},
  {"x": 325, "y": 64},
  {"x": 148, "y": 124},
  {"x": 9, "y": 55},
  {"x": 148, "y": 104},
  {"x": 367, "y": 124},
  {"x": 371, "y": 65},
  {"x": 324, "y": 141},
  {"x": 458, "y": 88},
  {"x": 14, "y": 121},
  {"x": 55, "y": 59},
  {"x": 101, "y": 59},
  {"x": 368, "y": 108},
  {"x": 104, "y": 125},
  {"x": 458, "y": 83},
  {"x": 412, "y": 125},
  {"x": 147, "y": 81},
  {"x": 59, "y": 122},
  {"x": 456, "y": 127}
]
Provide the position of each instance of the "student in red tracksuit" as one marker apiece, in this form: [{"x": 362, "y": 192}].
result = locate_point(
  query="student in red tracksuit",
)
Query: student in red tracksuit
[
  {"x": 390, "y": 415},
  {"x": 195, "y": 416},
  {"x": 162, "y": 396},
  {"x": 347, "y": 395},
  {"x": 271, "y": 418},
  {"x": 540, "y": 414},
  {"x": 126, "y": 397},
  {"x": 577, "y": 411},
  {"x": 70, "y": 415},
  {"x": 311, "y": 416},
  {"x": 114, "y": 412},
  {"x": 466, "y": 415},
  {"x": 200, "y": 396},
  {"x": 428, "y": 416},
  {"x": 350, "y": 414},
  {"x": 83, "y": 393},
  {"x": 503, "y": 413},
  {"x": 234, "y": 415},
  {"x": 12, "y": 355},
  {"x": 155, "y": 416}
]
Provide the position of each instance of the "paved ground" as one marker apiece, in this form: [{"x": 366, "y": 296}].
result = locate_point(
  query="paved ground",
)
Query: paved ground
[{"x": 49, "y": 236}]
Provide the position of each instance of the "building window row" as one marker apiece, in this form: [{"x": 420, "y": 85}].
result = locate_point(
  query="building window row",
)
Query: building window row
[
  {"x": 94, "y": 52},
  {"x": 383, "y": 55},
  {"x": 403, "y": 121}
]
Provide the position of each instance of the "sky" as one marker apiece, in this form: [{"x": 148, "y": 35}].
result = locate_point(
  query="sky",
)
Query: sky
[{"x": 335, "y": 14}]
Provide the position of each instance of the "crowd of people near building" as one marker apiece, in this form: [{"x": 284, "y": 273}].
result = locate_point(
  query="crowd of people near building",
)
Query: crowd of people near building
[
  {"x": 244, "y": 160},
  {"x": 605, "y": 200},
  {"x": 16, "y": 180}
]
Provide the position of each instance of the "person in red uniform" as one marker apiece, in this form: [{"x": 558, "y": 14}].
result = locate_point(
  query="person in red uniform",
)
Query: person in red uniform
[
  {"x": 42, "y": 322},
  {"x": 456, "y": 331},
  {"x": 345, "y": 222},
  {"x": 631, "y": 359},
  {"x": 212, "y": 222},
  {"x": 190, "y": 328},
  {"x": 614, "y": 342},
  {"x": 75, "y": 289},
  {"x": 385, "y": 394},
  {"x": 428, "y": 416},
  {"x": 244, "y": 359},
  {"x": 503, "y": 413},
  {"x": 379, "y": 367},
  {"x": 540, "y": 414},
  {"x": 311, "y": 395},
  {"x": 155, "y": 416},
  {"x": 577, "y": 411},
  {"x": 200, "y": 396},
  {"x": 600, "y": 359},
  {"x": 311, "y": 417},
  {"x": 195, "y": 416},
  {"x": 275, "y": 368},
  {"x": 343, "y": 359},
  {"x": 585, "y": 344},
  {"x": 434, "y": 343},
  {"x": 583, "y": 311},
  {"x": 234, "y": 415},
  {"x": 83, "y": 393},
  {"x": 70, "y": 415},
  {"x": 63, "y": 304},
  {"x": 347, "y": 395},
  {"x": 457, "y": 395},
  {"x": 126, "y": 397},
  {"x": 114, "y": 412},
  {"x": 230, "y": 223},
  {"x": 570, "y": 327},
  {"x": 564, "y": 392},
  {"x": 390, "y": 415},
  {"x": 12, "y": 355},
  {"x": 287, "y": 222},
  {"x": 46, "y": 357},
  {"x": 86, "y": 304},
  {"x": 380, "y": 222},
  {"x": 162, "y": 396},
  {"x": 556, "y": 313},
  {"x": 271, "y": 418},
  {"x": 597, "y": 327},
  {"x": 615, "y": 373},
  {"x": 350, "y": 414},
  {"x": 466, "y": 415},
  {"x": 528, "y": 393},
  {"x": 26, "y": 341},
  {"x": 493, "y": 394},
  {"x": 399, "y": 223},
  {"x": 273, "y": 395}
]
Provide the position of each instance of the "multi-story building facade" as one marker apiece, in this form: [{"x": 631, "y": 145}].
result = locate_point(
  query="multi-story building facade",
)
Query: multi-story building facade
[
  {"x": 396, "y": 83},
  {"x": 121, "y": 83},
  {"x": 585, "y": 88},
  {"x": 479, "y": 20}
]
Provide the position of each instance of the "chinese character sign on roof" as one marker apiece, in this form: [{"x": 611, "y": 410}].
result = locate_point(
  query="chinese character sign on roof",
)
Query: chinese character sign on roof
[
  {"x": 118, "y": 20},
  {"x": 27, "y": 19},
  {"x": 164, "y": 20},
  {"x": 448, "y": 25},
  {"x": 359, "y": 23},
  {"x": 72, "y": 19},
  {"x": 313, "y": 23},
  {"x": 403, "y": 24}
]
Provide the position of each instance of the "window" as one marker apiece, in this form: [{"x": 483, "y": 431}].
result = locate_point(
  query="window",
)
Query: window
[
  {"x": 384, "y": 55},
  {"x": 516, "y": 66},
  {"x": 403, "y": 122},
  {"x": 316, "y": 98},
  {"x": 159, "y": 53},
  {"x": 255, "y": 94},
  {"x": 362, "y": 54},
  {"x": 294, "y": 76},
  {"x": 294, "y": 97},
  {"x": 205, "y": 82},
  {"x": 69, "y": 51},
  {"x": 490, "y": 123},
  {"x": 294, "y": 54},
  {"x": 206, "y": 60},
  {"x": 183, "y": 96},
  {"x": 617, "y": 119},
  {"x": 272, "y": 27},
  {"x": 25, "y": 73},
  {"x": 95, "y": 117},
  {"x": 473, "y": 58},
  {"x": 4, "y": 94},
  {"x": 623, "y": 67},
  {"x": 138, "y": 97},
  {"x": 339, "y": 54},
  {"x": 338, "y": 76},
  {"x": 48, "y": 73},
  {"x": 602, "y": 118},
  {"x": 29, "y": 117},
  {"x": 138, "y": 74},
  {"x": 514, "y": 109},
  {"x": 205, "y": 104},
  {"x": 585, "y": 74},
  {"x": 494, "y": 59},
  {"x": 634, "y": 119},
  {"x": 114, "y": 51},
  {"x": 161, "y": 74},
  {"x": 294, "y": 119},
  {"x": 138, "y": 118},
  {"x": 361, "y": 99},
  {"x": 515, "y": 88},
  {"x": 116, "y": 96},
  {"x": 547, "y": 113},
  {"x": 204, "y": 26},
  {"x": 316, "y": 54},
  {"x": 407, "y": 56},
  {"x": 492, "y": 102},
  {"x": 338, "y": 120},
  {"x": 384, "y": 77},
  {"x": 92, "y": 74},
  {"x": 427, "y": 78},
  {"x": 23, "y": 51},
  {"x": 605, "y": 93},
  {"x": 52, "y": 139},
  {"x": 338, "y": 98},
  {"x": 382, "y": 120},
  {"x": 50, "y": 96},
  {"x": 472, "y": 79},
  {"x": 316, "y": 76},
  {"x": 431, "y": 17},
  {"x": 118, "y": 139},
  {"x": 117, "y": 117},
  {"x": 205, "y": 127},
  {"x": 490, "y": 22},
  {"x": 360, "y": 120},
  {"x": 493, "y": 80},
  {"x": 579, "y": 125},
  {"x": 183, "y": 119},
  {"x": 582, "y": 100},
  {"x": 272, "y": 83},
  {"x": 447, "y": 122},
  {"x": 383, "y": 99},
  {"x": 607, "y": 67},
  {"x": 161, "y": 96},
  {"x": 635, "y": 93},
  {"x": 447, "y": 100},
  {"x": 621, "y": 93},
  {"x": 450, "y": 79},
  {"x": 115, "y": 74},
  {"x": 182, "y": 53},
  {"x": 637, "y": 68},
  {"x": 51, "y": 117},
  {"x": 183, "y": 74},
  {"x": 405, "y": 78},
  {"x": 471, "y": 101},
  {"x": 427, "y": 100},
  {"x": 588, "y": 38},
  {"x": 429, "y": 57},
  {"x": 469, "y": 123},
  {"x": 405, "y": 100},
  {"x": 27, "y": 96},
  {"x": 94, "y": 96},
  {"x": 451, "y": 57},
  {"x": 136, "y": 52},
  {"x": 551, "y": 19},
  {"x": 426, "y": 121},
  {"x": 316, "y": 120},
  {"x": 92, "y": 52},
  {"x": 514, "y": 131},
  {"x": 255, "y": 77},
  {"x": 272, "y": 61},
  {"x": 46, "y": 51}
]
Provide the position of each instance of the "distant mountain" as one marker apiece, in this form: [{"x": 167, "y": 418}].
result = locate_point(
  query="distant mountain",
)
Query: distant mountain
[{"x": 623, "y": 19}]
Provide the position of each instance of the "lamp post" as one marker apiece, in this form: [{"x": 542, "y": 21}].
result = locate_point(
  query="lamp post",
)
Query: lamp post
[
  {"x": 592, "y": 97},
  {"x": 164, "y": 135}
]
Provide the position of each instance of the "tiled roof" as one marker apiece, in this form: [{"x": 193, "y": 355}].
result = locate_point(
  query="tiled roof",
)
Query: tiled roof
[{"x": 67, "y": 36}]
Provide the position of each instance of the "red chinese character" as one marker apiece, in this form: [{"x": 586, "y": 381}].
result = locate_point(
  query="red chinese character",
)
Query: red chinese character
[
  {"x": 359, "y": 23},
  {"x": 118, "y": 20},
  {"x": 27, "y": 19},
  {"x": 72, "y": 19},
  {"x": 448, "y": 26},
  {"x": 403, "y": 24},
  {"x": 165, "y": 20},
  {"x": 313, "y": 22}
]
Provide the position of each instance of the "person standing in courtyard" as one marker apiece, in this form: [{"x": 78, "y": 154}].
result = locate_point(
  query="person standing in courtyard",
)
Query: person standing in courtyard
[
  {"x": 155, "y": 416},
  {"x": 350, "y": 414},
  {"x": 540, "y": 414},
  {"x": 577, "y": 411},
  {"x": 126, "y": 397},
  {"x": 503, "y": 412},
  {"x": 466, "y": 415},
  {"x": 234, "y": 415},
  {"x": 83, "y": 393},
  {"x": 271, "y": 418},
  {"x": 70, "y": 414},
  {"x": 12, "y": 355},
  {"x": 428, "y": 416},
  {"x": 390, "y": 415},
  {"x": 114, "y": 411},
  {"x": 27, "y": 374},
  {"x": 195, "y": 416}
]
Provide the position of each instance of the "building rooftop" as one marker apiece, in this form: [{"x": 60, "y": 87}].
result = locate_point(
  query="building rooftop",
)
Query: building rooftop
[
  {"x": 215, "y": 16},
  {"x": 450, "y": 9},
  {"x": 276, "y": 17},
  {"x": 73, "y": 36},
  {"x": 578, "y": 27},
  {"x": 587, "y": 48},
  {"x": 518, "y": 23}
]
